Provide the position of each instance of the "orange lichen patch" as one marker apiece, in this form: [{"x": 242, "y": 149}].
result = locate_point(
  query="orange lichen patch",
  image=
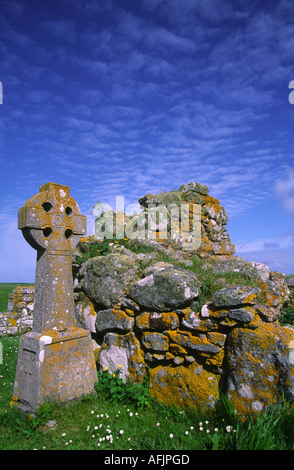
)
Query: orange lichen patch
[
  {"x": 200, "y": 345},
  {"x": 217, "y": 338},
  {"x": 177, "y": 349},
  {"x": 182, "y": 337},
  {"x": 160, "y": 235},
  {"x": 86, "y": 303},
  {"x": 258, "y": 362},
  {"x": 14, "y": 403},
  {"x": 216, "y": 360},
  {"x": 157, "y": 321},
  {"x": 209, "y": 200},
  {"x": 136, "y": 363},
  {"x": 169, "y": 356},
  {"x": 129, "y": 312},
  {"x": 142, "y": 321},
  {"x": 84, "y": 240},
  {"x": 250, "y": 299},
  {"x": 182, "y": 386}
]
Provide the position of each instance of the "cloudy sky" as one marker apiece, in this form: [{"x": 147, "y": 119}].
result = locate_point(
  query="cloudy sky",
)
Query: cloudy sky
[{"x": 129, "y": 97}]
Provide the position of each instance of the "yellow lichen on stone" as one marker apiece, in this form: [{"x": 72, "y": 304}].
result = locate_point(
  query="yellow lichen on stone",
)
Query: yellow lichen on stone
[
  {"x": 129, "y": 312},
  {"x": 258, "y": 363},
  {"x": 177, "y": 349},
  {"x": 184, "y": 386}
]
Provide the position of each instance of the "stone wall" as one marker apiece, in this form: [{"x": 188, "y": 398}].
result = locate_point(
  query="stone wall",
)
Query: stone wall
[
  {"x": 151, "y": 321},
  {"x": 19, "y": 316},
  {"x": 191, "y": 352}
]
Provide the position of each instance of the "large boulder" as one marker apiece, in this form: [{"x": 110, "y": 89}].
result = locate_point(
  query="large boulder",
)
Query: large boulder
[
  {"x": 106, "y": 278},
  {"x": 184, "y": 386},
  {"x": 260, "y": 367},
  {"x": 251, "y": 270},
  {"x": 165, "y": 287}
]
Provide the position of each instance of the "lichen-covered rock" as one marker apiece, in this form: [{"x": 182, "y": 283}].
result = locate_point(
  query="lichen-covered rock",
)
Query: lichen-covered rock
[
  {"x": 215, "y": 240},
  {"x": 235, "y": 296},
  {"x": 106, "y": 278},
  {"x": 85, "y": 314},
  {"x": 155, "y": 341},
  {"x": 260, "y": 367},
  {"x": 184, "y": 386},
  {"x": 19, "y": 316},
  {"x": 165, "y": 287},
  {"x": 159, "y": 321},
  {"x": 251, "y": 270},
  {"x": 123, "y": 352},
  {"x": 114, "y": 319},
  {"x": 155, "y": 317}
]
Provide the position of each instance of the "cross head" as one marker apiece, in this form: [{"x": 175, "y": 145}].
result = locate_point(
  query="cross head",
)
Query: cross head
[{"x": 51, "y": 222}]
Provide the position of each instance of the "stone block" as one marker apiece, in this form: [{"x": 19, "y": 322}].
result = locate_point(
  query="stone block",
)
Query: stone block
[{"x": 54, "y": 367}]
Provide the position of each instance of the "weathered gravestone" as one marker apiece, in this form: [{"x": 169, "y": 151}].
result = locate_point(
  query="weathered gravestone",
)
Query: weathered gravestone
[{"x": 55, "y": 360}]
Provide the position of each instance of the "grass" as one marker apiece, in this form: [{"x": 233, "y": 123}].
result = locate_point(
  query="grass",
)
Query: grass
[
  {"x": 6, "y": 288},
  {"x": 105, "y": 423}
]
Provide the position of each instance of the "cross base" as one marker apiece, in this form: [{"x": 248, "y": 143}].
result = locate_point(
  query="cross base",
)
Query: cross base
[{"x": 53, "y": 366}]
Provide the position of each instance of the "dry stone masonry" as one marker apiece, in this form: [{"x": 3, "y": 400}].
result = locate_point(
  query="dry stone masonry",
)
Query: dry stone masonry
[
  {"x": 19, "y": 316},
  {"x": 215, "y": 240},
  {"x": 192, "y": 352},
  {"x": 146, "y": 316}
]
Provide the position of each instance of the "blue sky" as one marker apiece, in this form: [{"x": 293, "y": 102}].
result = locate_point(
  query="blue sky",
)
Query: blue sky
[{"x": 125, "y": 97}]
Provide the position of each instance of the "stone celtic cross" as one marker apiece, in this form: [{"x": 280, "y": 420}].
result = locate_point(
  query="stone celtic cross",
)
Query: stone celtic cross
[
  {"x": 51, "y": 223},
  {"x": 55, "y": 360}
]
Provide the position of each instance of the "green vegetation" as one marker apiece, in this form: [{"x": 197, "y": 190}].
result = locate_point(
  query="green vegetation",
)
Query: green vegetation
[
  {"x": 212, "y": 282},
  {"x": 121, "y": 420},
  {"x": 97, "y": 248},
  {"x": 287, "y": 313},
  {"x": 112, "y": 387}
]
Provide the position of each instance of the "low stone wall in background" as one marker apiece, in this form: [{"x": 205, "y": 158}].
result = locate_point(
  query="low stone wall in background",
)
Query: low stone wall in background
[{"x": 19, "y": 316}]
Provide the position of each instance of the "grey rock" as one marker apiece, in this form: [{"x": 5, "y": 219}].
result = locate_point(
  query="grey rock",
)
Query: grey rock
[
  {"x": 111, "y": 319},
  {"x": 164, "y": 287},
  {"x": 250, "y": 270},
  {"x": 106, "y": 278},
  {"x": 123, "y": 352},
  {"x": 235, "y": 296},
  {"x": 155, "y": 341},
  {"x": 241, "y": 314}
]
